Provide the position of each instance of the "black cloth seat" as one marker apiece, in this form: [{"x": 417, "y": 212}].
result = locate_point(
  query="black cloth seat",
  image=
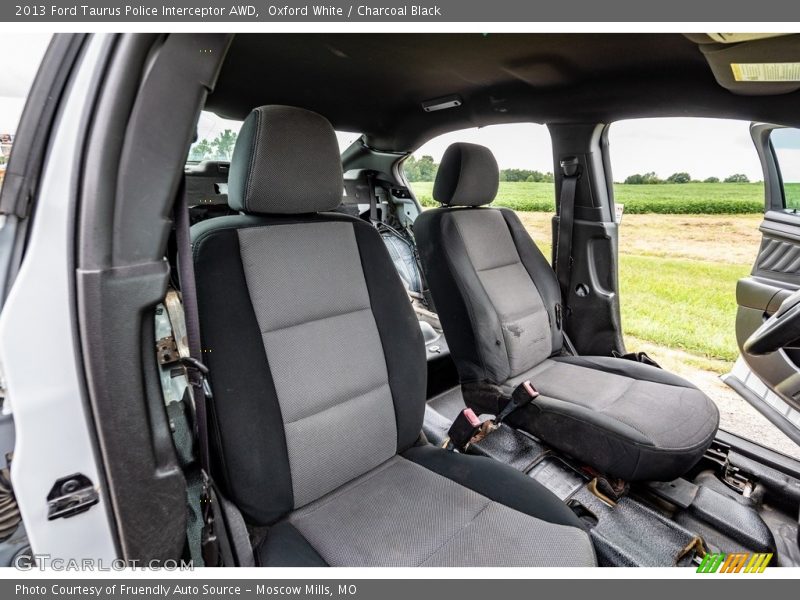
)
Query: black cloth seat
[
  {"x": 322, "y": 453},
  {"x": 496, "y": 296}
]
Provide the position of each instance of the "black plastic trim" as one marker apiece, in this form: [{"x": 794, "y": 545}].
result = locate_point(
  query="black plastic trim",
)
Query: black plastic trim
[
  {"x": 771, "y": 458},
  {"x": 133, "y": 164},
  {"x": 765, "y": 409}
]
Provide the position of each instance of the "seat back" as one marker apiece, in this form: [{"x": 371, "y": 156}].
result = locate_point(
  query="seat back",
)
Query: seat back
[
  {"x": 316, "y": 359},
  {"x": 494, "y": 291}
]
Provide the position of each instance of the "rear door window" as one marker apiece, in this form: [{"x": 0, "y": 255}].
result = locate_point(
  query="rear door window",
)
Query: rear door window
[{"x": 786, "y": 144}]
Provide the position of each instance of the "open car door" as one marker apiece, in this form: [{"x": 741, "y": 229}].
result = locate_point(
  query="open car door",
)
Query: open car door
[{"x": 768, "y": 317}]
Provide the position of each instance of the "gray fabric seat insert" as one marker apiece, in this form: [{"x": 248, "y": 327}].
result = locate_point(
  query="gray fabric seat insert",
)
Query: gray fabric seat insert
[
  {"x": 512, "y": 294},
  {"x": 433, "y": 522},
  {"x": 303, "y": 332}
]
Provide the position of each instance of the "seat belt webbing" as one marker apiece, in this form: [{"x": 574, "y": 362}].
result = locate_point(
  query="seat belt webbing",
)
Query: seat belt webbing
[
  {"x": 216, "y": 532},
  {"x": 566, "y": 219},
  {"x": 194, "y": 366},
  {"x": 215, "y": 545}
]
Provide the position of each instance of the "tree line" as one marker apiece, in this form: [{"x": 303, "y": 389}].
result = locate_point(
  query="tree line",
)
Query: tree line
[
  {"x": 424, "y": 169},
  {"x": 682, "y": 177},
  {"x": 220, "y": 148}
]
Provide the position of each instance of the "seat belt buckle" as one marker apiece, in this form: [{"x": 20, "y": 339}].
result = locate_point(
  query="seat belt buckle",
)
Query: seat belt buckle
[
  {"x": 530, "y": 391},
  {"x": 465, "y": 427},
  {"x": 522, "y": 395}
]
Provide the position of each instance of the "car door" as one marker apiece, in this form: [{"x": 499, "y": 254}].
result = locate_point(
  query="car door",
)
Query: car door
[
  {"x": 772, "y": 382},
  {"x": 47, "y": 450}
]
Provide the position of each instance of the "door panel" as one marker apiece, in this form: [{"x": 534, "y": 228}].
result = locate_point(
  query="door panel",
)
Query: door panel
[
  {"x": 594, "y": 322},
  {"x": 760, "y": 294},
  {"x": 775, "y": 275}
]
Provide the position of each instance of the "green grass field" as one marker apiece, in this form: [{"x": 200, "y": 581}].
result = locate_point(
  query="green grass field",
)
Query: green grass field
[
  {"x": 662, "y": 303},
  {"x": 687, "y": 198},
  {"x": 684, "y": 304}
]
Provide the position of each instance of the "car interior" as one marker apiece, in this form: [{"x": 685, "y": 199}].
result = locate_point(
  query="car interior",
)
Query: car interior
[{"x": 350, "y": 336}]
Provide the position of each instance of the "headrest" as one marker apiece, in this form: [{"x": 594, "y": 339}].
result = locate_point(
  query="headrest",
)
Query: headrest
[
  {"x": 467, "y": 176},
  {"x": 286, "y": 161}
]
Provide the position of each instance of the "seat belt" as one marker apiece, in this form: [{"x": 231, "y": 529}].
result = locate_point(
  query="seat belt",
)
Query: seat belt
[
  {"x": 183, "y": 438},
  {"x": 200, "y": 389},
  {"x": 467, "y": 428},
  {"x": 570, "y": 173},
  {"x": 195, "y": 369},
  {"x": 373, "y": 199},
  {"x": 215, "y": 546},
  {"x": 180, "y": 414}
]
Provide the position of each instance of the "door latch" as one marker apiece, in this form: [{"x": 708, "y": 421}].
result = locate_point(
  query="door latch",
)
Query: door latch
[{"x": 71, "y": 496}]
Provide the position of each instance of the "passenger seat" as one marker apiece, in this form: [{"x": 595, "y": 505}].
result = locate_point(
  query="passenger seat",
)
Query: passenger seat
[
  {"x": 496, "y": 296},
  {"x": 318, "y": 369}
]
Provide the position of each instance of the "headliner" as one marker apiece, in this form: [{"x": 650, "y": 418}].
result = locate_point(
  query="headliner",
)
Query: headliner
[{"x": 375, "y": 83}]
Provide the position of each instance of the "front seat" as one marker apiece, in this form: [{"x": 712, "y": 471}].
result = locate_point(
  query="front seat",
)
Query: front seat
[
  {"x": 497, "y": 299},
  {"x": 318, "y": 369}
]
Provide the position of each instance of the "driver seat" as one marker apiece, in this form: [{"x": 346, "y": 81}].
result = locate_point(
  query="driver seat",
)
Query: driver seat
[
  {"x": 497, "y": 299},
  {"x": 322, "y": 455}
]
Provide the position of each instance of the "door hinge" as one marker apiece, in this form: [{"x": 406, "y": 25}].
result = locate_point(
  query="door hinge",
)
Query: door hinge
[{"x": 70, "y": 496}]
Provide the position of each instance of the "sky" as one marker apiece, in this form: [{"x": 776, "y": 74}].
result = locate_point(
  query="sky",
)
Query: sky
[
  {"x": 786, "y": 143},
  {"x": 23, "y": 53},
  {"x": 701, "y": 147}
]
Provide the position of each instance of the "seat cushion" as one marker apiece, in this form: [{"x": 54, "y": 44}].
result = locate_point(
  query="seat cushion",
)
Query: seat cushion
[
  {"x": 623, "y": 418},
  {"x": 284, "y": 546},
  {"x": 420, "y": 509}
]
